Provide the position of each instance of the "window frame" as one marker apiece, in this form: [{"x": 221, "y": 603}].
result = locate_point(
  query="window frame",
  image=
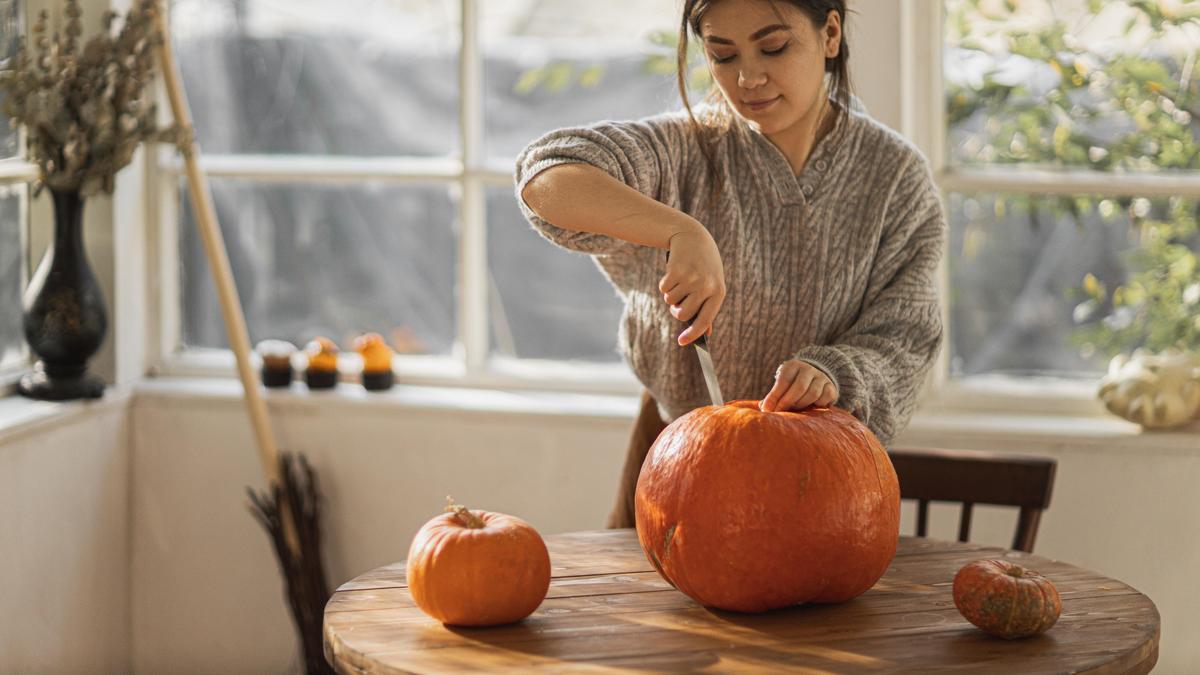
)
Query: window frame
[
  {"x": 923, "y": 112},
  {"x": 15, "y": 171}
]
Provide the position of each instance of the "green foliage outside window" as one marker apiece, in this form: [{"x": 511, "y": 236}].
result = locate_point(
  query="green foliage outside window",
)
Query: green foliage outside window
[{"x": 1121, "y": 110}]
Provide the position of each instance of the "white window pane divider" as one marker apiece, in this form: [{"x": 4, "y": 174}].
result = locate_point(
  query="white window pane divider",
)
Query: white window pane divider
[
  {"x": 473, "y": 263},
  {"x": 326, "y": 169},
  {"x": 26, "y": 354},
  {"x": 333, "y": 169},
  {"x": 164, "y": 203},
  {"x": 1003, "y": 395},
  {"x": 1070, "y": 182},
  {"x": 16, "y": 170},
  {"x": 923, "y": 121}
]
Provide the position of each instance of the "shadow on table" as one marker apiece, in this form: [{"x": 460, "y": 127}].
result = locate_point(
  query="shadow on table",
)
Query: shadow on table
[
  {"x": 976, "y": 646},
  {"x": 687, "y": 638}
]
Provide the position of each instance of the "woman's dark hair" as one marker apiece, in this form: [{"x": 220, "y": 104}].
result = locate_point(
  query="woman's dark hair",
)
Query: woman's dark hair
[{"x": 836, "y": 68}]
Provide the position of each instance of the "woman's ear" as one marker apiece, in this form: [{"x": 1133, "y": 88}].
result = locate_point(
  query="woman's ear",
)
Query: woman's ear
[{"x": 832, "y": 32}]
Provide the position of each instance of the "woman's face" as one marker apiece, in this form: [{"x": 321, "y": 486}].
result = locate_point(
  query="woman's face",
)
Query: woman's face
[{"x": 770, "y": 71}]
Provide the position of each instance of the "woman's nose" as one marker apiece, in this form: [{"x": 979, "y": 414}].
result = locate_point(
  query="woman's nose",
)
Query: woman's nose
[{"x": 751, "y": 79}]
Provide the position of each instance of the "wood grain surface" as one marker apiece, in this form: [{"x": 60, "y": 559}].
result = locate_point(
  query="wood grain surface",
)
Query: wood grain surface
[{"x": 607, "y": 610}]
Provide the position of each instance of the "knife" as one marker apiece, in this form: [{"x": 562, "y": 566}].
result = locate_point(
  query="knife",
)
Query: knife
[
  {"x": 706, "y": 364},
  {"x": 709, "y": 370}
]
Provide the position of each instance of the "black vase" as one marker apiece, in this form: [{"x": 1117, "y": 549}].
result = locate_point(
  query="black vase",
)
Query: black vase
[{"x": 65, "y": 317}]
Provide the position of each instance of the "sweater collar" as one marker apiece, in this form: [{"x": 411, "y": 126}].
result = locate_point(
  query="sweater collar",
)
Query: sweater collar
[{"x": 804, "y": 188}]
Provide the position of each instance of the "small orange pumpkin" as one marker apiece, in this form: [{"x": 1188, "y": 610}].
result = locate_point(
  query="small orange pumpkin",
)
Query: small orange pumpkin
[
  {"x": 477, "y": 568},
  {"x": 1006, "y": 600}
]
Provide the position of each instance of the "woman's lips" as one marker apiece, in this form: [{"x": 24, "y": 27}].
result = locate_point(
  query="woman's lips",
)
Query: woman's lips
[{"x": 760, "y": 105}]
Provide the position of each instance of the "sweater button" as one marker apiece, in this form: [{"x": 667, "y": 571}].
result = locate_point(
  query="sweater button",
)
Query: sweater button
[
  {"x": 808, "y": 190},
  {"x": 822, "y": 165}
]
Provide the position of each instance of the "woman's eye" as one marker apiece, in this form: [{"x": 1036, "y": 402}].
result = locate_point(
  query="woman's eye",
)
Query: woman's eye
[{"x": 769, "y": 52}]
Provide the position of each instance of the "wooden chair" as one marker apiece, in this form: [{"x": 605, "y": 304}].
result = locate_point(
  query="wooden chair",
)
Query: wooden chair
[{"x": 976, "y": 478}]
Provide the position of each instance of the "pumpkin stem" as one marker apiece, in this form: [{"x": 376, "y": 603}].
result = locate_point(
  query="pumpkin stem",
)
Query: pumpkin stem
[{"x": 468, "y": 519}]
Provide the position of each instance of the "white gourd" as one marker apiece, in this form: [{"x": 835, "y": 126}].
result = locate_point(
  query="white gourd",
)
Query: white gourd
[{"x": 1157, "y": 391}]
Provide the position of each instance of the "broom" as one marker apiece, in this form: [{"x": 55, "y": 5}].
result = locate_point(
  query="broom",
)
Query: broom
[{"x": 290, "y": 509}]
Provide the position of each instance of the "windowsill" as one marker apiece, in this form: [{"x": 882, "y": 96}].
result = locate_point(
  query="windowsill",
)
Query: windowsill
[
  {"x": 403, "y": 396},
  {"x": 1085, "y": 433},
  {"x": 437, "y": 372},
  {"x": 1014, "y": 429},
  {"x": 21, "y": 416}
]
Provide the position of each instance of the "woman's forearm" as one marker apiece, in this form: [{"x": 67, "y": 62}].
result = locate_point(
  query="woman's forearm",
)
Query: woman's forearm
[{"x": 583, "y": 198}]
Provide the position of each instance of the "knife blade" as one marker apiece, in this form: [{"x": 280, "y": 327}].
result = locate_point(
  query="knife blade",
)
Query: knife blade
[{"x": 709, "y": 370}]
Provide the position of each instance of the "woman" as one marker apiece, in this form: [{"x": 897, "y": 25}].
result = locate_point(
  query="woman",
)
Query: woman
[{"x": 801, "y": 235}]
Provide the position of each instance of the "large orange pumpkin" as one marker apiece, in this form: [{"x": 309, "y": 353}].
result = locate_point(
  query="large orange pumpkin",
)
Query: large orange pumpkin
[
  {"x": 751, "y": 511},
  {"x": 1004, "y": 599},
  {"x": 476, "y": 568}
]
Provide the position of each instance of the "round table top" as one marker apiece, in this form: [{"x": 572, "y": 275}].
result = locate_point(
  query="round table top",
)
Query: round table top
[{"x": 607, "y": 609}]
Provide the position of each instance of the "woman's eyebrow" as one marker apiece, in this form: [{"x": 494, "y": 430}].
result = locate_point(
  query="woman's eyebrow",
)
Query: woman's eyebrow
[{"x": 756, "y": 35}]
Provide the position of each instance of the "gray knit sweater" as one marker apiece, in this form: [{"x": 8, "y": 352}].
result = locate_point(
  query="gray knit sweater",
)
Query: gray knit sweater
[{"x": 836, "y": 266}]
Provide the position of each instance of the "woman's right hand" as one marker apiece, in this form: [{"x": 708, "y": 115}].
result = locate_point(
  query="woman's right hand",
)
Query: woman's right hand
[{"x": 694, "y": 285}]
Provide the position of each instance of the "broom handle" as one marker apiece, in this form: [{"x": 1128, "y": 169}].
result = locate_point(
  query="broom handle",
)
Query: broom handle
[{"x": 218, "y": 263}]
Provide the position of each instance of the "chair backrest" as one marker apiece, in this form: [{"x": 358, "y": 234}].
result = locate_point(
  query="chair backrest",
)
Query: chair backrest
[{"x": 973, "y": 478}]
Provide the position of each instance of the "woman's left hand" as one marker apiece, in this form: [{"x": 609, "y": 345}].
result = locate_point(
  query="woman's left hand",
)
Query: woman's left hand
[{"x": 799, "y": 384}]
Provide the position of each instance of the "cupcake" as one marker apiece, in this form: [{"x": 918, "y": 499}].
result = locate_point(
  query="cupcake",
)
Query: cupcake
[
  {"x": 377, "y": 362},
  {"x": 322, "y": 369},
  {"x": 276, "y": 358}
]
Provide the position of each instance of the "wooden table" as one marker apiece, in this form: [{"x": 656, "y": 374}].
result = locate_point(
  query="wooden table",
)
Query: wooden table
[{"x": 608, "y": 610}]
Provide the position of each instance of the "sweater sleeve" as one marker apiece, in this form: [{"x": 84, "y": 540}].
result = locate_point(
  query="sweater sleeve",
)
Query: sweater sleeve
[
  {"x": 646, "y": 155},
  {"x": 879, "y": 364}
]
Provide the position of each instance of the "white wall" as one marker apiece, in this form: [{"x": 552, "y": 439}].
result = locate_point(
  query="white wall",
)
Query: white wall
[
  {"x": 64, "y": 545},
  {"x": 208, "y": 597},
  {"x": 873, "y": 34}
]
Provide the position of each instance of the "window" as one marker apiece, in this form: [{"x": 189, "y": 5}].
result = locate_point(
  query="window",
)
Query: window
[
  {"x": 361, "y": 157},
  {"x": 361, "y": 160},
  {"x": 1071, "y": 182},
  {"x": 14, "y": 177}
]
